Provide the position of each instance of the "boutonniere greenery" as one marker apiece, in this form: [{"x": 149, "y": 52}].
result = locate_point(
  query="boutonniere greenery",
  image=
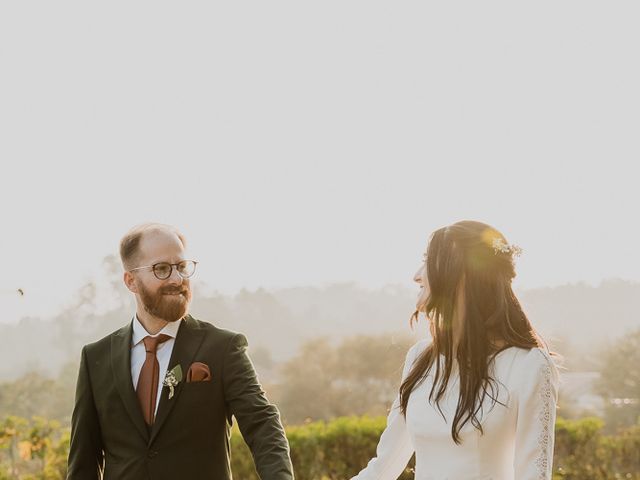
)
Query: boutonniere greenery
[{"x": 172, "y": 379}]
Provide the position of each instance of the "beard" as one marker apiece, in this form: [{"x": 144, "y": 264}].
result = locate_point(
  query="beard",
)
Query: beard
[{"x": 167, "y": 303}]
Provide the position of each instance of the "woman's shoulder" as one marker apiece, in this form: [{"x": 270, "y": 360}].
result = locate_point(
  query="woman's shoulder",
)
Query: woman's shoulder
[
  {"x": 525, "y": 355},
  {"x": 530, "y": 357},
  {"x": 533, "y": 362},
  {"x": 413, "y": 353},
  {"x": 417, "y": 348}
]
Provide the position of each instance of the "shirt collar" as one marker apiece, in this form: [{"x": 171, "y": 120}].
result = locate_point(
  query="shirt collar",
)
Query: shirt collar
[{"x": 139, "y": 331}]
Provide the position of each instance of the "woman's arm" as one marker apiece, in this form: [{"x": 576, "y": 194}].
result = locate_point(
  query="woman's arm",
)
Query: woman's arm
[
  {"x": 537, "y": 398},
  {"x": 394, "y": 448}
]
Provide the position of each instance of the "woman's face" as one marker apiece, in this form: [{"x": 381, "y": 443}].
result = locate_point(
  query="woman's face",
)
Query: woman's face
[{"x": 421, "y": 279}]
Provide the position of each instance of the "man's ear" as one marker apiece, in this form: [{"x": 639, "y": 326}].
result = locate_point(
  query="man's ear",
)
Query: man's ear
[{"x": 130, "y": 282}]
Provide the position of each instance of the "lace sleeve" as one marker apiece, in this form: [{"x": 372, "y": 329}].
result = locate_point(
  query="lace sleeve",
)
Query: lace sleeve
[
  {"x": 394, "y": 448},
  {"x": 537, "y": 399}
]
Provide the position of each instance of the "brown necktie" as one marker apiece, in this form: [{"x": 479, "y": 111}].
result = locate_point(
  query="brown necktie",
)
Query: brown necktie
[{"x": 147, "y": 388}]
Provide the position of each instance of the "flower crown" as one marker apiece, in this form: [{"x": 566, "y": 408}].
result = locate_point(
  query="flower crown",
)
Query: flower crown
[{"x": 500, "y": 246}]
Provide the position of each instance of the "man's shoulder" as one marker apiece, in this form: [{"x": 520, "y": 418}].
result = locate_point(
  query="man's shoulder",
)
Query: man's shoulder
[
  {"x": 217, "y": 341},
  {"x": 105, "y": 342},
  {"x": 212, "y": 331}
]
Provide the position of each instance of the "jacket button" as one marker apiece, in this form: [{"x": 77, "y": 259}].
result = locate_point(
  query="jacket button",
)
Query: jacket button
[{"x": 152, "y": 454}]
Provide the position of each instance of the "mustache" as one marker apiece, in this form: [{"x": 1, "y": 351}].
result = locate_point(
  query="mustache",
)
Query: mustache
[{"x": 174, "y": 290}]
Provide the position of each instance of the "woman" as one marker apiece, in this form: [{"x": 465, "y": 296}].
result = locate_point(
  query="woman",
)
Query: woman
[{"x": 479, "y": 400}]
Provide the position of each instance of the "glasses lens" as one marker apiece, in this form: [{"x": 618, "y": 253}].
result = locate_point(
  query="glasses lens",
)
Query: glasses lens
[
  {"x": 186, "y": 268},
  {"x": 162, "y": 270}
]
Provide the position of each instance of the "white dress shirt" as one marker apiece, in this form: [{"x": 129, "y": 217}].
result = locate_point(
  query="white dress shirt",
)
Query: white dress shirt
[{"x": 138, "y": 352}]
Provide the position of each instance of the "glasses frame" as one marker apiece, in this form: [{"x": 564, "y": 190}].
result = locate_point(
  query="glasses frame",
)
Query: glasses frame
[{"x": 172, "y": 265}]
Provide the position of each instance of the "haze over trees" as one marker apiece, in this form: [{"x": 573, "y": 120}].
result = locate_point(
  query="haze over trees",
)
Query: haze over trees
[
  {"x": 321, "y": 352},
  {"x": 575, "y": 318}
]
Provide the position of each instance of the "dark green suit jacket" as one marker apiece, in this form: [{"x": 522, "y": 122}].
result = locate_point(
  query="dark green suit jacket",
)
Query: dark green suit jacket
[{"x": 190, "y": 436}]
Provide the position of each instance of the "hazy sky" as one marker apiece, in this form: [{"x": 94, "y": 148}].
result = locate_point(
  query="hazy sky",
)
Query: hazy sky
[{"x": 301, "y": 143}]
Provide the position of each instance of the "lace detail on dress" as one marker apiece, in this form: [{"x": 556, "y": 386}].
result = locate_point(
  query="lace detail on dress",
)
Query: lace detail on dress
[{"x": 544, "y": 417}]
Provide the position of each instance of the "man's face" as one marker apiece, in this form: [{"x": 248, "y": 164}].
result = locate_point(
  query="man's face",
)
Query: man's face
[{"x": 165, "y": 299}]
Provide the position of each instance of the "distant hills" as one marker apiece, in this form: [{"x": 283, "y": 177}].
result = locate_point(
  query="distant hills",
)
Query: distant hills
[
  {"x": 583, "y": 314},
  {"x": 576, "y": 318}
]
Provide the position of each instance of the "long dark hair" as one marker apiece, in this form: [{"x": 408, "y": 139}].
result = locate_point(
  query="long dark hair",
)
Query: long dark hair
[{"x": 470, "y": 267}]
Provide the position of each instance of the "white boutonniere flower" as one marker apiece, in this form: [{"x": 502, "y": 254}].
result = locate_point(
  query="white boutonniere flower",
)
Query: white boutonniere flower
[{"x": 172, "y": 379}]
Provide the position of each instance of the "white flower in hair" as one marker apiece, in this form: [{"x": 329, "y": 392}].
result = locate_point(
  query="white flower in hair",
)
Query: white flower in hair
[{"x": 500, "y": 246}]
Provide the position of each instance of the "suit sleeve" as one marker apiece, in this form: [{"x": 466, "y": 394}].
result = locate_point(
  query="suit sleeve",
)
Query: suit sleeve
[
  {"x": 537, "y": 398},
  {"x": 395, "y": 448},
  {"x": 259, "y": 421},
  {"x": 85, "y": 452}
]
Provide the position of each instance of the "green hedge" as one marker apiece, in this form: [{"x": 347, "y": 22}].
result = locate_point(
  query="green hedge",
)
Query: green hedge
[
  {"x": 340, "y": 448},
  {"x": 582, "y": 452},
  {"x": 334, "y": 450},
  {"x": 321, "y": 450}
]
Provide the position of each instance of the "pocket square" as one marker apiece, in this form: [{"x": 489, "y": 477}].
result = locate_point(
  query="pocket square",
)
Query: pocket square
[{"x": 198, "y": 372}]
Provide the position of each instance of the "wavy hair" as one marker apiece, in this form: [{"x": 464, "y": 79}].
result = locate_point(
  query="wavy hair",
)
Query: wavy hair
[{"x": 471, "y": 279}]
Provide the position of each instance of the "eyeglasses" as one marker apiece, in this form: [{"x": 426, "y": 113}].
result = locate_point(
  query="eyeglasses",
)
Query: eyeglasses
[{"x": 163, "y": 270}]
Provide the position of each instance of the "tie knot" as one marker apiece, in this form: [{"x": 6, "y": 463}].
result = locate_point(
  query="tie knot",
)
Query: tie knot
[{"x": 151, "y": 343}]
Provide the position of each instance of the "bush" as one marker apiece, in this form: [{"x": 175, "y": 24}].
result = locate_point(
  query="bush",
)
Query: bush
[
  {"x": 322, "y": 450},
  {"x": 583, "y": 452},
  {"x": 332, "y": 450}
]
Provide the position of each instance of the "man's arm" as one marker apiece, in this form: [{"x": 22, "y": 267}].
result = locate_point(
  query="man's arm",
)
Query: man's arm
[
  {"x": 85, "y": 453},
  {"x": 259, "y": 421}
]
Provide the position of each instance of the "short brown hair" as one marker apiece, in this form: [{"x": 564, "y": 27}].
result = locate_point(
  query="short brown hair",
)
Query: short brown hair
[{"x": 130, "y": 243}]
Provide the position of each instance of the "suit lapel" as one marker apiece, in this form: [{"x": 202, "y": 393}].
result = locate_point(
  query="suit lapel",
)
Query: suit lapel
[
  {"x": 186, "y": 346},
  {"x": 121, "y": 365}
]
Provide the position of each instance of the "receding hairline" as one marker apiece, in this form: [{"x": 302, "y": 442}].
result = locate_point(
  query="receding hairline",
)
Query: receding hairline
[{"x": 130, "y": 242}]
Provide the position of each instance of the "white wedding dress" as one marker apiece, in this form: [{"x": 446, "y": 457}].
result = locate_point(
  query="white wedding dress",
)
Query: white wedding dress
[{"x": 517, "y": 443}]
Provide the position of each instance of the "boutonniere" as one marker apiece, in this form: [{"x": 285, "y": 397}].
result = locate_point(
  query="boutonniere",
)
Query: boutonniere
[{"x": 172, "y": 379}]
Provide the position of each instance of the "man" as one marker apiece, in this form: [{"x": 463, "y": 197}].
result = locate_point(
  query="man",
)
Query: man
[{"x": 154, "y": 399}]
